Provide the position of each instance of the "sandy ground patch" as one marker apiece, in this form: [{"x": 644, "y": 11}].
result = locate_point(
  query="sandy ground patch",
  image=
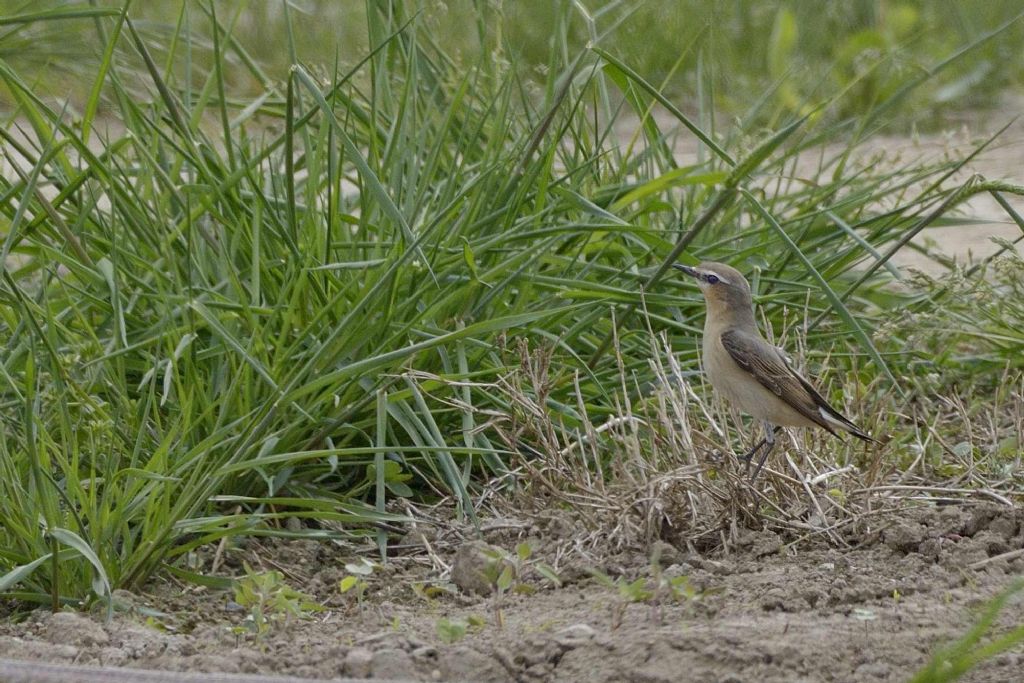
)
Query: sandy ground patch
[{"x": 773, "y": 609}]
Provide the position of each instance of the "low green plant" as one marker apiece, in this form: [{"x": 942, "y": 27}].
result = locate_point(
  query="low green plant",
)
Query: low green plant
[
  {"x": 269, "y": 602},
  {"x": 453, "y": 630},
  {"x": 509, "y": 571},
  {"x": 973, "y": 319},
  {"x": 512, "y": 569},
  {"x": 355, "y": 581},
  {"x": 656, "y": 590},
  {"x": 429, "y": 592}
]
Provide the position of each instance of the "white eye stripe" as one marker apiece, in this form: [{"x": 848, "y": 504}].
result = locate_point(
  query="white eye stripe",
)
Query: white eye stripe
[{"x": 721, "y": 279}]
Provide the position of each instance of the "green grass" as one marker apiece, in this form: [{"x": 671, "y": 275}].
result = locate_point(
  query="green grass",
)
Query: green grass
[
  {"x": 978, "y": 643},
  {"x": 218, "y": 315}
]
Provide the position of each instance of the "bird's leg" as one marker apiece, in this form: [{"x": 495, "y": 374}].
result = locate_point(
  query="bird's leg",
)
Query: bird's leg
[
  {"x": 769, "y": 440},
  {"x": 750, "y": 454}
]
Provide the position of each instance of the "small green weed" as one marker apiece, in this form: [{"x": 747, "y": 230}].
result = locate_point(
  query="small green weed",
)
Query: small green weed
[
  {"x": 506, "y": 572},
  {"x": 355, "y": 582},
  {"x": 655, "y": 590},
  {"x": 453, "y": 630},
  {"x": 269, "y": 600}
]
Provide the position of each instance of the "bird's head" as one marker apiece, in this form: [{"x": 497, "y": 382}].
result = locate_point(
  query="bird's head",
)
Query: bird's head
[{"x": 725, "y": 290}]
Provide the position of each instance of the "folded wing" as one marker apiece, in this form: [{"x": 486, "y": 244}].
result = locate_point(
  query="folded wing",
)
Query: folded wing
[{"x": 770, "y": 369}]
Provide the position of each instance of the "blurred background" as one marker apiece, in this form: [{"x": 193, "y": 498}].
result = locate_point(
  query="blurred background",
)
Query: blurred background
[{"x": 742, "y": 55}]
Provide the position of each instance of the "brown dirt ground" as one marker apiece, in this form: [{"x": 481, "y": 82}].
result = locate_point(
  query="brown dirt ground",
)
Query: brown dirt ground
[{"x": 770, "y": 610}]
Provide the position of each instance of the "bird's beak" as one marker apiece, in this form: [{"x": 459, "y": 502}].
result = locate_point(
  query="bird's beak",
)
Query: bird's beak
[{"x": 686, "y": 269}]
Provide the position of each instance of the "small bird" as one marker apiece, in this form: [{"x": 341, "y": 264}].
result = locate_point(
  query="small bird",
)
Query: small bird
[{"x": 751, "y": 373}]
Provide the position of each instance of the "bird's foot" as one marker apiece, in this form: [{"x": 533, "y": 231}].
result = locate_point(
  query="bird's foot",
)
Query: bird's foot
[{"x": 748, "y": 457}]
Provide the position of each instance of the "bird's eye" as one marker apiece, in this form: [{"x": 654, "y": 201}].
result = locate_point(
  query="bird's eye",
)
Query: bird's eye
[{"x": 712, "y": 279}]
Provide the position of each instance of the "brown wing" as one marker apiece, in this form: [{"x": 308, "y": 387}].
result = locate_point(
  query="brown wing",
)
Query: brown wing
[
  {"x": 766, "y": 364},
  {"x": 771, "y": 370}
]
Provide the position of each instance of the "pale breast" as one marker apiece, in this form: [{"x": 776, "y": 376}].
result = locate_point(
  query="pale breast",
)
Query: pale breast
[{"x": 741, "y": 389}]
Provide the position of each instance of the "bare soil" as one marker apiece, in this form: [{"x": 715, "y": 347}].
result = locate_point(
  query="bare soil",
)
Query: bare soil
[{"x": 770, "y": 609}]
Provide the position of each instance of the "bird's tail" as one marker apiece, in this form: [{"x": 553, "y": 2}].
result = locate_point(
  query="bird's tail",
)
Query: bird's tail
[
  {"x": 862, "y": 436},
  {"x": 837, "y": 419}
]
